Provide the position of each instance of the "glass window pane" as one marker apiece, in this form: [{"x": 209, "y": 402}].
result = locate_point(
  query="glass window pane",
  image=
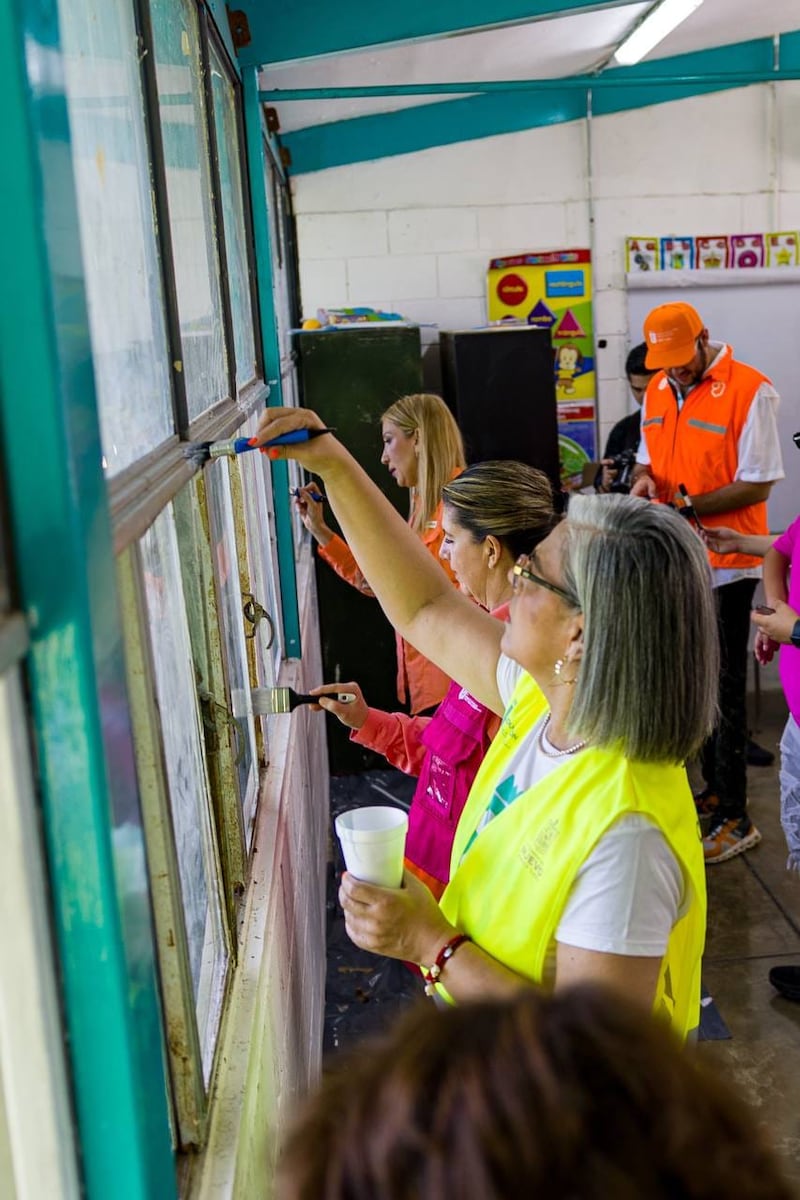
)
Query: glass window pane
[
  {"x": 118, "y": 238},
  {"x": 233, "y": 210},
  {"x": 226, "y": 565},
  {"x": 36, "y": 1145},
  {"x": 186, "y": 774},
  {"x": 191, "y": 221}
]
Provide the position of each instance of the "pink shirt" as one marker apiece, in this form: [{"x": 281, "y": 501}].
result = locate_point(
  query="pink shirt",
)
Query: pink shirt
[
  {"x": 445, "y": 751},
  {"x": 788, "y": 544}
]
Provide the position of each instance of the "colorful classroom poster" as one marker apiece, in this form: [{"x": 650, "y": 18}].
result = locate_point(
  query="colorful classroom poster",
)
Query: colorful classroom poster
[{"x": 552, "y": 289}]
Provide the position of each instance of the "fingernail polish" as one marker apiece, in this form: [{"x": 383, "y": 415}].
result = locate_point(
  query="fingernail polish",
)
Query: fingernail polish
[{"x": 273, "y": 452}]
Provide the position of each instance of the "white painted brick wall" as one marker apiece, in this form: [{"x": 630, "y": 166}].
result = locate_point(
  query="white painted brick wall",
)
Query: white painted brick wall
[
  {"x": 724, "y": 163},
  {"x": 323, "y": 284},
  {"x": 396, "y": 277},
  {"x": 343, "y": 235},
  {"x": 448, "y": 313},
  {"x": 432, "y": 230},
  {"x": 462, "y": 275},
  {"x": 505, "y": 227}
]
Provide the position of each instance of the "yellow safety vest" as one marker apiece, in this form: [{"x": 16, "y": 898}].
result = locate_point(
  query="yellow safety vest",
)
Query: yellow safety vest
[{"x": 509, "y": 885}]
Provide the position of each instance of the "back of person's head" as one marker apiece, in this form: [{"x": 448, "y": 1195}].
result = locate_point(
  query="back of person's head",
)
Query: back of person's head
[
  {"x": 440, "y": 449},
  {"x": 635, "y": 364},
  {"x": 504, "y": 499},
  {"x": 648, "y": 678},
  {"x": 575, "y": 1095}
]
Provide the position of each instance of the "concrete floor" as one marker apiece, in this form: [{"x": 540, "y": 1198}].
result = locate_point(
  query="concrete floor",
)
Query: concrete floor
[{"x": 754, "y": 923}]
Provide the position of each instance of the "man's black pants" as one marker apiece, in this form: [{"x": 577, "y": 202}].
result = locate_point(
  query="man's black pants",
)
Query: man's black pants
[{"x": 723, "y": 756}]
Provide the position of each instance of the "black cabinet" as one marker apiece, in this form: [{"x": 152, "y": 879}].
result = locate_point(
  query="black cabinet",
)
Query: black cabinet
[
  {"x": 350, "y": 377},
  {"x": 499, "y": 384}
]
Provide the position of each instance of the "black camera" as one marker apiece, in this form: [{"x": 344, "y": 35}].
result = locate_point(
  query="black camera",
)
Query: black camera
[{"x": 623, "y": 464}]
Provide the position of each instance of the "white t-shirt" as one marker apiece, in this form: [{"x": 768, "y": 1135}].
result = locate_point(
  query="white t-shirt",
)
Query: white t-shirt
[
  {"x": 630, "y": 891},
  {"x": 758, "y": 452}
]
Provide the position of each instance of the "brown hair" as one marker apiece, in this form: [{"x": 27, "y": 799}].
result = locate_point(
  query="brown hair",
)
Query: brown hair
[
  {"x": 441, "y": 450},
  {"x": 505, "y": 499},
  {"x": 572, "y": 1096}
]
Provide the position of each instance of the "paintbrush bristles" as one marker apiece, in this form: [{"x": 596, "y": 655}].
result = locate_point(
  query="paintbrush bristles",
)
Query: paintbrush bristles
[
  {"x": 198, "y": 453},
  {"x": 269, "y": 702}
]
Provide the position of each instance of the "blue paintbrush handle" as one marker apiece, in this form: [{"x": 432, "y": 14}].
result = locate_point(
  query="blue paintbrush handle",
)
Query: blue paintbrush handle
[
  {"x": 295, "y": 436},
  {"x": 242, "y": 445}
]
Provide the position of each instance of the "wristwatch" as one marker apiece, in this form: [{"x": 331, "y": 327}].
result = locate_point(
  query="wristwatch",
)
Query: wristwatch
[{"x": 794, "y": 636}]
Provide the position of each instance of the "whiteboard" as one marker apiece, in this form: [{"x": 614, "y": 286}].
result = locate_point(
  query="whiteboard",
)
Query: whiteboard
[{"x": 757, "y": 312}]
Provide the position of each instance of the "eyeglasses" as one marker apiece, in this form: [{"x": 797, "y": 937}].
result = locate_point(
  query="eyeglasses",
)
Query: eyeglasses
[{"x": 521, "y": 569}]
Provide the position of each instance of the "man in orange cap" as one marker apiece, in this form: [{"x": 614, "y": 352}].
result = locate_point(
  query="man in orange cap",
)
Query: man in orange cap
[{"x": 709, "y": 423}]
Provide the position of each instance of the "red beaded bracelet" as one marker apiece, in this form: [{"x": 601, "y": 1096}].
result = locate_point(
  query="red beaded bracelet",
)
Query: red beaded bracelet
[{"x": 431, "y": 974}]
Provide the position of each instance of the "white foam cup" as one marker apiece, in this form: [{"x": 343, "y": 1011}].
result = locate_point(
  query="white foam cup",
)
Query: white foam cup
[{"x": 373, "y": 841}]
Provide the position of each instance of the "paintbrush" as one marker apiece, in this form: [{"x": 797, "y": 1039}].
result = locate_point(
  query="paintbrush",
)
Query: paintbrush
[
  {"x": 686, "y": 508},
  {"x": 269, "y": 701},
  {"x": 200, "y": 452},
  {"x": 312, "y": 490}
]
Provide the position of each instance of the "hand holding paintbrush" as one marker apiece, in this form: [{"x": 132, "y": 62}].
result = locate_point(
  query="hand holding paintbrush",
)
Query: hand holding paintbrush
[
  {"x": 308, "y": 503},
  {"x": 344, "y": 700},
  {"x": 270, "y": 701},
  {"x": 200, "y": 452},
  {"x": 296, "y": 433}
]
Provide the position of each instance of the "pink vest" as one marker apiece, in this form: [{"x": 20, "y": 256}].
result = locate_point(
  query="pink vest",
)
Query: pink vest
[{"x": 456, "y": 740}]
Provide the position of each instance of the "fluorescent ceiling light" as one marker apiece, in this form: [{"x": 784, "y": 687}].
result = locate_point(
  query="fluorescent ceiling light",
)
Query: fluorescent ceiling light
[{"x": 653, "y": 29}]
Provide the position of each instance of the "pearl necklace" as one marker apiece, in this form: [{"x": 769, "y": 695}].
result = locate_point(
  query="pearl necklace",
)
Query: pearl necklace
[{"x": 556, "y": 753}]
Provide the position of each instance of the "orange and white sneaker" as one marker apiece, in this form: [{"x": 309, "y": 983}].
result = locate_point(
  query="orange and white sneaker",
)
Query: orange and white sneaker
[{"x": 726, "y": 838}]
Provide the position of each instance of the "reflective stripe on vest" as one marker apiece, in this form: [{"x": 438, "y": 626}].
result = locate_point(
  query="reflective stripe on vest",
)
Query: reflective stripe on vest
[{"x": 695, "y": 424}]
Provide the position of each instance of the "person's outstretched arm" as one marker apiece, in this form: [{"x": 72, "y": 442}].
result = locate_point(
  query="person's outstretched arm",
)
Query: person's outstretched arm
[
  {"x": 411, "y": 587},
  {"x": 723, "y": 540}
]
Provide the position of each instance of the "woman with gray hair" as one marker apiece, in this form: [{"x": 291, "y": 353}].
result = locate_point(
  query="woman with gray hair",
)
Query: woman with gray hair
[
  {"x": 576, "y": 857},
  {"x": 491, "y": 513}
]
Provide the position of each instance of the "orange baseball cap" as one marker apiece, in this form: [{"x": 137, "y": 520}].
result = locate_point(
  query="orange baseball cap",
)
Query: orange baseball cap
[{"x": 670, "y": 333}]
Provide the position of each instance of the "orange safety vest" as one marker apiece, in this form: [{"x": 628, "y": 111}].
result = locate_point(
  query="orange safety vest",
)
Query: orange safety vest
[{"x": 698, "y": 444}]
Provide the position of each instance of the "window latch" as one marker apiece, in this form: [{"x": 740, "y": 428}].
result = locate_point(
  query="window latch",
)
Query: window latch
[{"x": 254, "y": 613}]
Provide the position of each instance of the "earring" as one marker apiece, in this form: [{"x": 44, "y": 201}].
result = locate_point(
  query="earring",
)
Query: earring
[{"x": 558, "y": 667}]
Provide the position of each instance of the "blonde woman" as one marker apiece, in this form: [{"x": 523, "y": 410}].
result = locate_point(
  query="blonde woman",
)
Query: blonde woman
[{"x": 423, "y": 450}]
